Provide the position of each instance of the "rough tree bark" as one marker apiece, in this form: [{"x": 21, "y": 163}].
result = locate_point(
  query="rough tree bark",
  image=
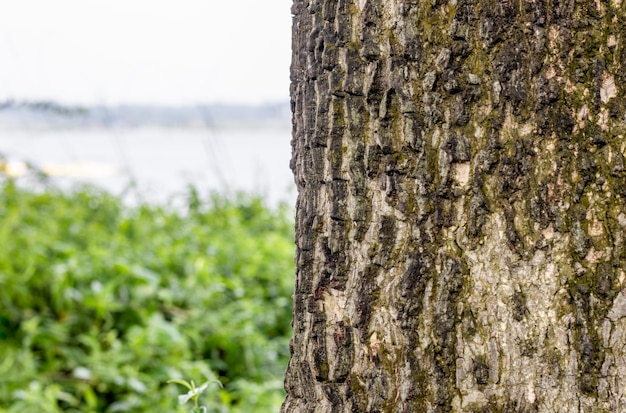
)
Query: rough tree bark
[{"x": 461, "y": 217}]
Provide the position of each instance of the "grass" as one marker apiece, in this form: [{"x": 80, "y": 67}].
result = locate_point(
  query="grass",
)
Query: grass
[{"x": 102, "y": 304}]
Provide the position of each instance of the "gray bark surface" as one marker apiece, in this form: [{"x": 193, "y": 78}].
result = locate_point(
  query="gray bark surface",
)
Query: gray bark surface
[{"x": 460, "y": 221}]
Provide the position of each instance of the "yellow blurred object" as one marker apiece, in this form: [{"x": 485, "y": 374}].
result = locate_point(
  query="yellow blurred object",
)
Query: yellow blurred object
[
  {"x": 13, "y": 168},
  {"x": 80, "y": 169}
]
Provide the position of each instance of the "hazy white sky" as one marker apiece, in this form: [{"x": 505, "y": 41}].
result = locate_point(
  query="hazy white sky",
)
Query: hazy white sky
[{"x": 145, "y": 51}]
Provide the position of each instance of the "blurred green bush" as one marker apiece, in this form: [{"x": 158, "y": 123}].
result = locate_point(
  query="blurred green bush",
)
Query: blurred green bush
[{"x": 101, "y": 304}]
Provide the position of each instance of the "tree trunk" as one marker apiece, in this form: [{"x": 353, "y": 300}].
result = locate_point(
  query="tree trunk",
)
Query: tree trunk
[{"x": 460, "y": 218}]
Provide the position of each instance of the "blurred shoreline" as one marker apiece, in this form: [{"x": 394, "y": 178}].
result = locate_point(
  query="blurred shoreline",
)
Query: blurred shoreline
[
  {"x": 159, "y": 151},
  {"x": 50, "y": 115}
]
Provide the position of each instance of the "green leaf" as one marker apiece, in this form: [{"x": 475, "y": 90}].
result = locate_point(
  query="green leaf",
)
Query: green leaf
[{"x": 182, "y": 383}]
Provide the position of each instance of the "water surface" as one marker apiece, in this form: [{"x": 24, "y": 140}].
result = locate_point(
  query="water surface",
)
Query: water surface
[{"x": 161, "y": 161}]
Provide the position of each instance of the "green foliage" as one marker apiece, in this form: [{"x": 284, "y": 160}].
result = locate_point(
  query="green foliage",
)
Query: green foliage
[{"x": 102, "y": 304}]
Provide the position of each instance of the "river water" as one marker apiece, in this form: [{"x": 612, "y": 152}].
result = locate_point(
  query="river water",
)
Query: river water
[{"x": 160, "y": 161}]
